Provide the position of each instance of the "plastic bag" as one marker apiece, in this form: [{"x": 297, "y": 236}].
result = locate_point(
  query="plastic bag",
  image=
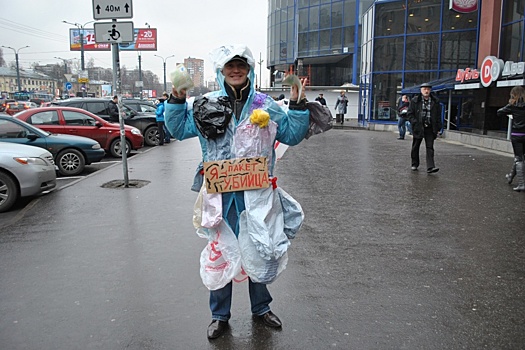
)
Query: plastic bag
[
  {"x": 197, "y": 210},
  {"x": 321, "y": 119},
  {"x": 253, "y": 141},
  {"x": 260, "y": 270},
  {"x": 265, "y": 222},
  {"x": 212, "y": 115},
  {"x": 293, "y": 214},
  {"x": 180, "y": 78},
  {"x": 221, "y": 259},
  {"x": 211, "y": 208}
]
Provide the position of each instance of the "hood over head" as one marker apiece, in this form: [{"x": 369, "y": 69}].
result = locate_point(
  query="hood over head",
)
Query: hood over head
[{"x": 224, "y": 54}]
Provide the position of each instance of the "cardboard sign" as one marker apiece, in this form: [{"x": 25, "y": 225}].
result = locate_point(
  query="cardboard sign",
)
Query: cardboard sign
[{"x": 236, "y": 174}]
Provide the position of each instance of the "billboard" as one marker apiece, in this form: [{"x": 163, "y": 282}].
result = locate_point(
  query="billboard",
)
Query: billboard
[
  {"x": 144, "y": 39},
  {"x": 89, "y": 41}
]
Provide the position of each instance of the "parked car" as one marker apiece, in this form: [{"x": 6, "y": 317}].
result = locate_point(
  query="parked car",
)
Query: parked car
[
  {"x": 24, "y": 171},
  {"x": 4, "y": 102},
  {"x": 14, "y": 107},
  {"x": 140, "y": 105},
  {"x": 76, "y": 121},
  {"x": 70, "y": 153},
  {"x": 145, "y": 122}
]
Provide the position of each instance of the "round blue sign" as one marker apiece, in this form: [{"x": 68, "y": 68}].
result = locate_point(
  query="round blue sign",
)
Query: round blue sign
[{"x": 69, "y": 85}]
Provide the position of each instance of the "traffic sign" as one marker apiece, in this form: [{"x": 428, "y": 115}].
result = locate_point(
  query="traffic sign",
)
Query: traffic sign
[
  {"x": 112, "y": 9},
  {"x": 69, "y": 86},
  {"x": 114, "y": 32}
]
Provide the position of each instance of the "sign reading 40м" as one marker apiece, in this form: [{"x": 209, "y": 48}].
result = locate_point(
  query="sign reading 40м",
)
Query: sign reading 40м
[{"x": 112, "y": 9}]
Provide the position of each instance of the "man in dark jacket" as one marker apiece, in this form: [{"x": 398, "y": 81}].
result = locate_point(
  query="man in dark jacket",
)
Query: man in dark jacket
[
  {"x": 113, "y": 110},
  {"x": 425, "y": 117}
]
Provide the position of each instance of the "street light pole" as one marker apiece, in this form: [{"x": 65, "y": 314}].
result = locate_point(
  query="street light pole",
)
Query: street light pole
[
  {"x": 164, "y": 62},
  {"x": 260, "y": 70},
  {"x": 17, "y": 65}
]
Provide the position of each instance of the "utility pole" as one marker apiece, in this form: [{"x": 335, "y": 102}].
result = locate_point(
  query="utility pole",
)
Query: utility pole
[
  {"x": 260, "y": 70},
  {"x": 17, "y": 65}
]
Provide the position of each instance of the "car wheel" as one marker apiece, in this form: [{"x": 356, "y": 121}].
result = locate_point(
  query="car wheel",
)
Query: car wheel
[
  {"x": 70, "y": 162},
  {"x": 151, "y": 136},
  {"x": 116, "y": 150},
  {"x": 8, "y": 192}
]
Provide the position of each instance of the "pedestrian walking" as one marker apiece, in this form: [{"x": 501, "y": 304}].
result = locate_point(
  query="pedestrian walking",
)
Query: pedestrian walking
[
  {"x": 159, "y": 116},
  {"x": 321, "y": 99},
  {"x": 402, "y": 110},
  {"x": 425, "y": 117},
  {"x": 516, "y": 110},
  {"x": 341, "y": 107},
  {"x": 257, "y": 114},
  {"x": 113, "y": 110}
]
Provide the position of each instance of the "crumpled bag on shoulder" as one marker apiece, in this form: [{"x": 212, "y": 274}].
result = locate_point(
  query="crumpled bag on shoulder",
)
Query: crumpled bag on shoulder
[
  {"x": 259, "y": 269},
  {"x": 220, "y": 260},
  {"x": 293, "y": 214},
  {"x": 212, "y": 115},
  {"x": 321, "y": 119}
]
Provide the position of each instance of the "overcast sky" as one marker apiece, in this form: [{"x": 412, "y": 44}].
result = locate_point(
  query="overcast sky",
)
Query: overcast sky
[{"x": 184, "y": 29}]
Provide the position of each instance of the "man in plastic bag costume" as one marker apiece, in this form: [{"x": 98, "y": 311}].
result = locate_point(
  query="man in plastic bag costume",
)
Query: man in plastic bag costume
[{"x": 255, "y": 217}]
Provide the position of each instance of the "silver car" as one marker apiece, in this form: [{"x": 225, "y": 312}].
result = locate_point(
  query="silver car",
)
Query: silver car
[{"x": 24, "y": 171}]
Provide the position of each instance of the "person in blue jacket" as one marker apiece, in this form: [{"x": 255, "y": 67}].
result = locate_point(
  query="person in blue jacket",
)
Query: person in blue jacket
[
  {"x": 234, "y": 66},
  {"x": 159, "y": 116}
]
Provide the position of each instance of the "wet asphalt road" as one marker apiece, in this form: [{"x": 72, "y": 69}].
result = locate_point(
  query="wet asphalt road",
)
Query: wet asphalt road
[{"x": 387, "y": 258}]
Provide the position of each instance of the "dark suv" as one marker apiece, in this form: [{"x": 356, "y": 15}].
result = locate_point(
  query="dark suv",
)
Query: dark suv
[
  {"x": 145, "y": 122},
  {"x": 140, "y": 105}
]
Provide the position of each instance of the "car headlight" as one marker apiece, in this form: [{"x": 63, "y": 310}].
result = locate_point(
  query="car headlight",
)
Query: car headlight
[
  {"x": 30, "y": 160},
  {"x": 135, "y": 131},
  {"x": 96, "y": 146}
]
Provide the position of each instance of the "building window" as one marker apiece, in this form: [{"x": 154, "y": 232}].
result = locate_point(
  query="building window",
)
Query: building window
[
  {"x": 458, "y": 49},
  {"x": 422, "y": 52}
]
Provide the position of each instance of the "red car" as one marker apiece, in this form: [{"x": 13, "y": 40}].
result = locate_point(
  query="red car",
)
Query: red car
[
  {"x": 76, "y": 121},
  {"x": 12, "y": 108}
]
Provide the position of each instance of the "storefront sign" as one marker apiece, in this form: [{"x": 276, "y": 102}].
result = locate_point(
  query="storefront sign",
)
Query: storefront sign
[
  {"x": 463, "y": 6},
  {"x": 467, "y": 74},
  {"x": 236, "y": 174}
]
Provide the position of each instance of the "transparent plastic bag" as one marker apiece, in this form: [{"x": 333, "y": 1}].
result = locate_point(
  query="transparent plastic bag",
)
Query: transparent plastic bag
[
  {"x": 220, "y": 260},
  {"x": 211, "y": 208},
  {"x": 259, "y": 269},
  {"x": 253, "y": 141},
  {"x": 265, "y": 222},
  {"x": 293, "y": 214}
]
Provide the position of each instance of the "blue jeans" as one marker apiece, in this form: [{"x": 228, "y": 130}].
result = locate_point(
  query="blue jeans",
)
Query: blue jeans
[{"x": 221, "y": 300}]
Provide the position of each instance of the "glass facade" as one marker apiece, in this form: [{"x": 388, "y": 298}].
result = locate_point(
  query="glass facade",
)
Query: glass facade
[
  {"x": 317, "y": 38},
  {"x": 406, "y": 43}
]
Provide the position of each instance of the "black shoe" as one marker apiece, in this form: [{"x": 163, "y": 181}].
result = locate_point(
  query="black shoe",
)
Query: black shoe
[
  {"x": 414, "y": 168},
  {"x": 400, "y": 138},
  {"x": 271, "y": 320},
  {"x": 217, "y": 328},
  {"x": 432, "y": 170}
]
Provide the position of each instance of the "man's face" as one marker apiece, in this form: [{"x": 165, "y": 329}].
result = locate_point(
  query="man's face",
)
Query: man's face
[
  {"x": 236, "y": 73},
  {"x": 425, "y": 91}
]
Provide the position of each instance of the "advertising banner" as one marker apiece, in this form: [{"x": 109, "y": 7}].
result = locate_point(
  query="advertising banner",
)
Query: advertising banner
[
  {"x": 144, "y": 39},
  {"x": 89, "y": 41}
]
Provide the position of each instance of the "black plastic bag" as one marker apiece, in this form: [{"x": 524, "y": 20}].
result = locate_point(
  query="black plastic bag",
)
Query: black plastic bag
[
  {"x": 321, "y": 119},
  {"x": 212, "y": 115}
]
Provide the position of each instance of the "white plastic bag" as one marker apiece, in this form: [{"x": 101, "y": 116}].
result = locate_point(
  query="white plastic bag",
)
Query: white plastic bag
[
  {"x": 265, "y": 222},
  {"x": 293, "y": 214},
  {"x": 259, "y": 269},
  {"x": 254, "y": 141},
  {"x": 221, "y": 259},
  {"x": 211, "y": 208}
]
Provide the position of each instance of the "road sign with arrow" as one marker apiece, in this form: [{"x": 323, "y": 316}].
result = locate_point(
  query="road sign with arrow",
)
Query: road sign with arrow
[{"x": 112, "y": 9}]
